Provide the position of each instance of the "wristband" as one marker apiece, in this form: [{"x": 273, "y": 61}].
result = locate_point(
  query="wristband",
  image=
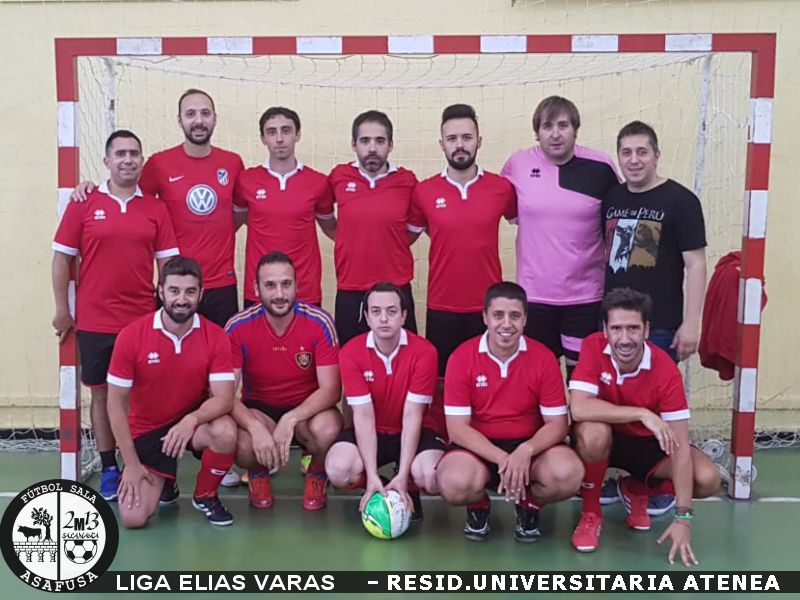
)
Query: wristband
[
  {"x": 680, "y": 521},
  {"x": 684, "y": 512}
]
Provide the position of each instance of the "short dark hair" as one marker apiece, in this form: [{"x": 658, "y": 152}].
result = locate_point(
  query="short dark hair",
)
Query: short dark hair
[
  {"x": 459, "y": 111},
  {"x": 274, "y": 257},
  {"x": 373, "y": 116},
  {"x": 122, "y": 133},
  {"x": 626, "y": 299},
  {"x": 385, "y": 286},
  {"x": 192, "y": 92},
  {"x": 551, "y": 107},
  {"x": 181, "y": 265},
  {"x": 278, "y": 111},
  {"x": 506, "y": 289},
  {"x": 638, "y": 128}
]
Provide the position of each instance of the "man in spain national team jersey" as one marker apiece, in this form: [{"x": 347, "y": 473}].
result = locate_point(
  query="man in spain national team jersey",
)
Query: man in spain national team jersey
[{"x": 287, "y": 356}]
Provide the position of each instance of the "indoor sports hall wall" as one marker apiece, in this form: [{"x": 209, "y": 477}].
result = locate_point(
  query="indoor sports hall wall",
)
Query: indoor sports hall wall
[{"x": 668, "y": 92}]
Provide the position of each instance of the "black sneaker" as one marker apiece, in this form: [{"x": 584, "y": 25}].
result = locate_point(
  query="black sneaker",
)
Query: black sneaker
[
  {"x": 170, "y": 493},
  {"x": 416, "y": 501},
  {"x": 527, "y": 529},
  {"x": 215, "y": 511},
  {"x": 477, "y": 527}
]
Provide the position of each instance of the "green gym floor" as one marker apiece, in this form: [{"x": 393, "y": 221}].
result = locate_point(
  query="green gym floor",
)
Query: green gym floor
[{"x": 759, "y": 535}]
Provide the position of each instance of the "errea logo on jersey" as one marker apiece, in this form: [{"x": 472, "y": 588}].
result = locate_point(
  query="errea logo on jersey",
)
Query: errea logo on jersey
[
  {"x": 153, "y": 358},
  {"x": 369, "y": 376},
  {"x": 100, "y": 215},
  {"x": 481, "y": 381},
  {"x": 261, "y": 194},
  {"x": 201, "y": 200},
  {"x": 441, "y": 203},
  {"x": 350, "y": 187},
  {"x": 605, "y": 377}
]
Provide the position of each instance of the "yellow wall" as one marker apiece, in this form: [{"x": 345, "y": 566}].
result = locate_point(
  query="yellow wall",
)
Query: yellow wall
[{"x": 28, "y": 360}]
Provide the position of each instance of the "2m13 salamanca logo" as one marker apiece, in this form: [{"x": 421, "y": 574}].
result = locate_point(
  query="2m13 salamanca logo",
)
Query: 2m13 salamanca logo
[{"x": 58, "y": 535}]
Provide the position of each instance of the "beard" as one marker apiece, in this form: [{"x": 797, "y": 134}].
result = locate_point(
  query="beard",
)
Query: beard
[
  {"x": 281, "y": 311},
  {"x": 180, "y": 317},
  {"x": 198, "y": 135},
  {"x": 463, "y": 164}
]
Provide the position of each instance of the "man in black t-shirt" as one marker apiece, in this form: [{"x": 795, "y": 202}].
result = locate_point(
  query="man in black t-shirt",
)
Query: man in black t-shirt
[{"x": 655, "y": 232}]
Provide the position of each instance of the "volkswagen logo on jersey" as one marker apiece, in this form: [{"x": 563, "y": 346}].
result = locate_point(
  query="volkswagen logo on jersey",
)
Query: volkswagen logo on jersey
[
  {"x": 222, "y": 176},
  {"x": 202, "y": 199}
]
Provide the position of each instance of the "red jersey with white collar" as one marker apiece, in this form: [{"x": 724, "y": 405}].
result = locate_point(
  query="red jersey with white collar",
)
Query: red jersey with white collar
[
  {"x": 198, "y": 193},
  {"x": 281, "y": 215},
  {"x": 388, "y": 382},
  {"x": 656, "y": 385},
  {"x": 463, "y": 224},
  {"x": 117, "y": 241},
  {"x": 168, "y": 376},
  {"x": 504, "y": 400},
  {"x": 281, "y": 370},
  {"x": 371, "y": 235}
]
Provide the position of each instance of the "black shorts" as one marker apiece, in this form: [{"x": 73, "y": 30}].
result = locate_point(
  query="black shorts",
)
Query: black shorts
[
  {"x": 95, "y": 352},
  {"x": 448, "y": 330},
  {"x": 349, "y": 313},
  {"x": 562, "y": 328},
  {"x": 219, "y": 304},
  {"x": 273, "y": 412},
  {"x": 148, "y": 449},
  {"x": 389, "y": 443},
  {"x": 639, "y": 456},
  {"x": 506, "y": 445}
]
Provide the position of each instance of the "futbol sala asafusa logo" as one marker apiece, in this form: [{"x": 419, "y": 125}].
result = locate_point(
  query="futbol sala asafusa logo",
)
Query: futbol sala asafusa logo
[{"x": 58, "y": 535}]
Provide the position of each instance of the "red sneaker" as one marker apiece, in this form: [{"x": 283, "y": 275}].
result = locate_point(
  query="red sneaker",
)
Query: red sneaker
[
  {"x": 315, "y": 496},
  {"x": 586, "y": 537},
  {"x": 635, "y": 506},
  {"x": 260, "y": 490}
]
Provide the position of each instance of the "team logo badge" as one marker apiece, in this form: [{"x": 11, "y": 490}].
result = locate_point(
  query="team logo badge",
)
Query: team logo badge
[
  {"x": 58, "y": 535},
  {"x": 222, "y": 176},
  {"x": 303, "y": 359},
  {"x": 201, "y": 200}
]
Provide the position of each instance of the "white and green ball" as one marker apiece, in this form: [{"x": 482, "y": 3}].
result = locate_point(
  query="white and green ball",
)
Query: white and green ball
[{"x": 386, "y": 517}]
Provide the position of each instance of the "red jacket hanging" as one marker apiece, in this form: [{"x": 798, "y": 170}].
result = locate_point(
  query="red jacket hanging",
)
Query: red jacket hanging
[{"x": 718, "y": 343}]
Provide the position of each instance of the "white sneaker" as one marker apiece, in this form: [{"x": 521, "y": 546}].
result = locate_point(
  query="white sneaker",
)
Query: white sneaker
[{"x": 231, "y": 479}]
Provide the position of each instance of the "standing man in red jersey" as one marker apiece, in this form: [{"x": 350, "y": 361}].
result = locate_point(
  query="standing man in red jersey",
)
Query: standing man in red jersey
[
  {"x": 171, "y": 389},
  {"x": 196, "y": 181},
  {"x": 460, "y": 209},
  {"x": 372, "y": 242},
  {"x": 280, "y": 202},
  {"x": 287, "y": 356},
  {"x": 118, "y": 226}
]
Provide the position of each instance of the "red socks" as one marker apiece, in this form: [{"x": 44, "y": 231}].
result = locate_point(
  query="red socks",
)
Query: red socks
[
  {"x": 482, "y": 504},
  {"x": 592, "y": 486},
  {"x": 213, "y": 467}
]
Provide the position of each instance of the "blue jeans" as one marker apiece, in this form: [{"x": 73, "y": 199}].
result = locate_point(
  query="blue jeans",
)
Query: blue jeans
[{"x": 663, "y": 338}]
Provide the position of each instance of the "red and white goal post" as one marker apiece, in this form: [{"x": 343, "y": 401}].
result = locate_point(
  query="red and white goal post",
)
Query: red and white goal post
[{"x": 760, "y": 47}]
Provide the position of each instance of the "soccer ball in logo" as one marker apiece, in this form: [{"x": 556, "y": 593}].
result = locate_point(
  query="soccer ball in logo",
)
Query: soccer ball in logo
[{"x": 80, "y": 551}]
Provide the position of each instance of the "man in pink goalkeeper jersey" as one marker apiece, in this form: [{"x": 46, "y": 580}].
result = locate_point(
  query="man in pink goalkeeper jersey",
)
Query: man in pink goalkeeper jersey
[{"x": 560, "y": 254}]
